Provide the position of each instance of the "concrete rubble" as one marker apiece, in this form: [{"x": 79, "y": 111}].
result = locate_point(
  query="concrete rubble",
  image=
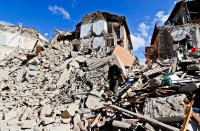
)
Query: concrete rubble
[{"x": 63, "y": 84}]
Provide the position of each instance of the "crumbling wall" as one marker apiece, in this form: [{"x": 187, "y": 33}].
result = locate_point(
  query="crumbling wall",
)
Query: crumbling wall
[{"x": 14, "y": 38}]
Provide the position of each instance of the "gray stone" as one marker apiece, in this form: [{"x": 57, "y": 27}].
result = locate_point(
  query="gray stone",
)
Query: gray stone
[{"x": 167, "y": 109}]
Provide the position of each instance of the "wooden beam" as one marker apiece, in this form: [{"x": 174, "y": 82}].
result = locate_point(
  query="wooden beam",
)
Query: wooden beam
[
  {"x": 187, "y": 117},
  {"x": 145, "y": 119}
]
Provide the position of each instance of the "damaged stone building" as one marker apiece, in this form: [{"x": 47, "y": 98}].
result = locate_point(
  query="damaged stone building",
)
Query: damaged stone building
[
  {"x": 101, "y": 29},
  {"x": 183, "y": 20},
  {"x": 19, "y": 39}
]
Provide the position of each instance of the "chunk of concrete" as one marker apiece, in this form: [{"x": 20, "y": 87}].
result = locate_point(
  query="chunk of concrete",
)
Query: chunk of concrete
[
  {"x": 28, "y": 123},
  {"x": 13, "y": 122},
  {"x": 61, "y": 128},
  {"x": 10, "y": 115},
  {"x": 46, "y": 110},
  {"x": 93, "y": 102},
  {"x": 48, "y": 120},
  {"x": 167, "y": 109}
]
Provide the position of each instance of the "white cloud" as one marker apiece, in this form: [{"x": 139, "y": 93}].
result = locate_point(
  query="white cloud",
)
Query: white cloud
[
  {"x": 161, "y": 16},
  {"x": 143, "y": 28},
  {"x": 59, "y": 11},
  {"x": 137, "y": 41},
  {"x": 5, "y": 23},
  {"x": 46, "y": 34}
]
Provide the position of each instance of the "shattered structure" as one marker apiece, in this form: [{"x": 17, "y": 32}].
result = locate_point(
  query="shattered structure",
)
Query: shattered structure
[
  {"x": 17, "y": 38},
  {"x": 183, "y": 20},
  {"x": 101, "y": 29},
  {"x": 63, "y": 86}
]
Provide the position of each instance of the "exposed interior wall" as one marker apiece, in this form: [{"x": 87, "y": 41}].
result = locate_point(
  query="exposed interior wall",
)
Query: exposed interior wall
[
  {"x": 100, "y": 27},
  {"x": 98, "y": 41},
  {"x": 19, "y": 38},
  {"x": 86, "y": 30}
]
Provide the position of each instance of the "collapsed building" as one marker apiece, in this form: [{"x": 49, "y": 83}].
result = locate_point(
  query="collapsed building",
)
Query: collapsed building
[
  {"x": 183, "y": 20},
  {"x": 101, "y": 29},
  {"x": 14, "y": 39},
  {"x": 64, "y": 87}
]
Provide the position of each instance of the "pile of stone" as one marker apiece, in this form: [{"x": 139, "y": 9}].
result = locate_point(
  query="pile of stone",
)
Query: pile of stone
[
  {"x": 36, "y": 93},
  {"x": 62, "y": 89}
]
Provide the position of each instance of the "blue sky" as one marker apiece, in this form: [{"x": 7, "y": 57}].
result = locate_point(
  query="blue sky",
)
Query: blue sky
[{"x": 48, "y": 15}]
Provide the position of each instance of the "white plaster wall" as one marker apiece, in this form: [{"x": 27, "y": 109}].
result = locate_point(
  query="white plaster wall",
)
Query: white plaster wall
[
  {"x": 99, "y": 27},
  {"x": 17, "y": 40},
  {"x": 98, "y": 41},
  {"x": 85, "y": 30},
  {"x": 179, "y": 34}
]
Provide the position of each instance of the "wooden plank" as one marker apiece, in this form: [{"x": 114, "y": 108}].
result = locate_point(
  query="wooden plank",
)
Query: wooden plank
[
  {"x": 94, "y": 123},
  {"x": 187, "y": 117},
  {"x": 183, "y": 75},
  {"x": 145, "y": 119}
]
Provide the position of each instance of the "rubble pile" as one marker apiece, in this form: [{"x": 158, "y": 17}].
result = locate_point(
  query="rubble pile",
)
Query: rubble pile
[
  {"x": 37, "y": 90},
  {"x": 60, "y": 89},
  {"x": 64, "y": 85}
]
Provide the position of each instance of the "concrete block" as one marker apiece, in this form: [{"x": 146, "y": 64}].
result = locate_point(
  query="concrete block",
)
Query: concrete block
[
  {"x": 10, "y": 115},
  {"x": 93, "y": 102},
  {"x": 27, "y": 112},
  {"x": 13, "y": 122},
  {"x": 61, "y": 128},
  {"x": 46, "y": 110},
  {"x": 167, "y": 109},
  {"x": 48, "y": 120},
  {"x": 28, "y": 123}
]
